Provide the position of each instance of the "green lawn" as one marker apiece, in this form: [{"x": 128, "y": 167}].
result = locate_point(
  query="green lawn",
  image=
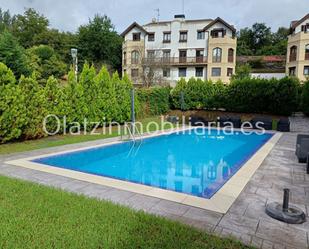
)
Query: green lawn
[
  {"x": 34, "y": 216},
  {"x": 64, "y": 139}
]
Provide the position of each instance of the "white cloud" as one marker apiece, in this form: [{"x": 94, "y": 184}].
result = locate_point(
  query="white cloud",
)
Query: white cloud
[{"x": 69, "y": 14}]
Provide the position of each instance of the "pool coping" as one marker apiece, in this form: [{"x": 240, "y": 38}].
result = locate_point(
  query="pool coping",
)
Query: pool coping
[{"x": 220, "y": 202}]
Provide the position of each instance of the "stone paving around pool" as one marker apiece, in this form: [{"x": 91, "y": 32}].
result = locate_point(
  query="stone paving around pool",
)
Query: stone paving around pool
[{"x": 245, "y": 220}]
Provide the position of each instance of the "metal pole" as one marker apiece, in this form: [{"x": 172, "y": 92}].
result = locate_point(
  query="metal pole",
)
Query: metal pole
[
  {"x": 286, "y": 196},
  {"x": 76, "y": 68},
  {"x": 132, "y": 112}
]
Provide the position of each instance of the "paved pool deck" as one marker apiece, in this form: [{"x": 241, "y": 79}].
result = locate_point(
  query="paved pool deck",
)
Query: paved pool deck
[{"x": 245, "y": 220}]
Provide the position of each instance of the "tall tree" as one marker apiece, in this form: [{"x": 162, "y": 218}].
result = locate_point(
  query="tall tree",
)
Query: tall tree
[
  {"x": 13, "y": 55},
  {"x": 5, "y": 20},
  {"x": 259, "y": 40},
  {"x": 98, "y": 42},
  {"x": 28, "y": 27}
]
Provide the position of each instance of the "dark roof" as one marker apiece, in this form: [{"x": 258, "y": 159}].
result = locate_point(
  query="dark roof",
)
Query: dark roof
[
  {"x": 135, "y": 24},
  {"x": 294, "y": 24},
  {"x": 218, "y": 19}
]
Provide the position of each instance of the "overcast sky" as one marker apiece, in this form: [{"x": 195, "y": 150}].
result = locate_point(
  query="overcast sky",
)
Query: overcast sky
[{"x": 67, "y": 15}]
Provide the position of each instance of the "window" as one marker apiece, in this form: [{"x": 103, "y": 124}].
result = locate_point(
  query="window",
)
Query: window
[
  {"x": 124, "y": 58},
  {"x": 166, "y": 72},
  {"x": 200, "y": 35},
  {"x": 151, "y": 54},
  {"x": 216, "y": 55},
  {"x": 134, "y": 57},
  {"x": 292, "y": 71},
  {"x": 136, "y": 36},
  {"x": 229, "y": 72},
  {"x": 134, "y": 73},
  {"x": 307, "y": 52},
  {"x": 293, "y": 53},
  {"x": 151, "y": 37},
  {"x": 306, "y": 70},
  {"x": 182, "y": 72},
  {"x": 182, "y": 56},
  {"x": 166, "y": 55},
  {"x": 199, "y": 55},
  {"x": 218, "y": 33},
  {"x": 166, "y": 37},
  {"x": 216, "y": 71},
  {"x": 199, "y": 72},
  {"x": 183, "y": 36},
  {"x": 231, "y": 55}
]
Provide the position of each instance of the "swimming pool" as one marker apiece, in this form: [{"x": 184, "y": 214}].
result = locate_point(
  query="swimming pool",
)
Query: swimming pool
[{"x": 188, "y": 162}]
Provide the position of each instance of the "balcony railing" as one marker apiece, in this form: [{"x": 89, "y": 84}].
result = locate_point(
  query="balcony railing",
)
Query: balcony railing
[
  {"x": 176, "y": 60},
  {"x": 306, "y": 56},
  {"x": 292, "y": 57}
]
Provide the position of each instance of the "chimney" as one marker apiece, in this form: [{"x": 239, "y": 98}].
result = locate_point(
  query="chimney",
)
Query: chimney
[{"x": 180, "y": 17}]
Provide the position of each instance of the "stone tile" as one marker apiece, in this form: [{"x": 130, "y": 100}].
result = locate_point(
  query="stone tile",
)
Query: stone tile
[
  {"x": 142, "y": 202},
  {"x": 267, "y": 245},
  {"x": 74, "y": 185},
  {"x": 170, "y": 207},
  {"x": 205, "y": 216},
  {"x": 239, "y": 223},
  {"x": 256, "y": 242},
  {"x": 93, "y": 190},
  {"x": 282, "y": 234},
  {"x": 115, "y": 195}
]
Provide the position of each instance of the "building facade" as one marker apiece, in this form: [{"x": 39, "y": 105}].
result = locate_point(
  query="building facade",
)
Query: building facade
[
  {"x": 164, "y": 52},
  {"x": 298, "y": 49}
]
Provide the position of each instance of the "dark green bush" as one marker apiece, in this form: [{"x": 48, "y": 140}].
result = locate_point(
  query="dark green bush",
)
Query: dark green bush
[
  {"x": 154, "y": 101},
  {"x": 198, "y": 94},
  {"x": 305, "y": 98},
  {"x": 242, "y": 95}
]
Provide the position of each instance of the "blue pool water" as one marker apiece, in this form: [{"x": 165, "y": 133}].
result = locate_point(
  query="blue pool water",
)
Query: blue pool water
[{"x": 188, "y": 162}]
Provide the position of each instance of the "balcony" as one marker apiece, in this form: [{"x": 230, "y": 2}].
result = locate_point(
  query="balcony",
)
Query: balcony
[{"x": 177, "y": 61}]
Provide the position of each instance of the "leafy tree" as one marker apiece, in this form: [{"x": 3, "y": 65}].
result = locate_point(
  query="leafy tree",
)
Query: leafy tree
[
  {"x": 123, "y": 95},
  {"x": 259, "y": 40},
  {"x": 46, "y": 62},
  {"x": 12, "y": 110},
  {"x": 34, "y": 100},
  {"x": 106, "y": 101},
  {"x": 56, "y": 103},
  {"x": 13, "y": 55},
  {"x": 5, "y": 20},
  {"x": 242, "y": 72},
  {"x": 28, "y": 27},
  {"x": 98, "y": 42}
]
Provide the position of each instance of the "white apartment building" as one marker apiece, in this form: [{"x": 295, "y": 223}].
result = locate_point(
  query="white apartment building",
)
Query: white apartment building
[{"x": 163, "y": 52}]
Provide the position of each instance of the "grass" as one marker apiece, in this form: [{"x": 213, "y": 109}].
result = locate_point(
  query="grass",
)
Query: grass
[
  {"x": 58, "y": 140},
  {"x": 34, "y": 216}
]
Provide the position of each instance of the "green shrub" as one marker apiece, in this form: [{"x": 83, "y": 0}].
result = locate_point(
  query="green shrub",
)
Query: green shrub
[
  {"x": 305, "y": 98},
  {"x": 241, "y": 95},
  {"x": 263, "y": 96},
  {"x": 154, "y": 101},
  {"x": 12, "y": 109}
]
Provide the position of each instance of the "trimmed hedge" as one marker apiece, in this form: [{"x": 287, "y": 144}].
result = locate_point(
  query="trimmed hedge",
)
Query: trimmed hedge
[
  {"x": 263, "y": 96},
  {"x": 95, "y": 97},
  {"x": 154, "y": 101},
  {"x": 305, "y": 98},
  {"x": 242, "y": 95},
  {"x": 198, "y": 94}
]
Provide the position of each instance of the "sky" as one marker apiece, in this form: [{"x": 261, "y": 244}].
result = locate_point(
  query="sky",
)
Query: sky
[{"x": 67, "y": 15}]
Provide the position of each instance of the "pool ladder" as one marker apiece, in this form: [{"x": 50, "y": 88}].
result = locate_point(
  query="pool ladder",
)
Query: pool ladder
[{"x": 136, "y": 141}]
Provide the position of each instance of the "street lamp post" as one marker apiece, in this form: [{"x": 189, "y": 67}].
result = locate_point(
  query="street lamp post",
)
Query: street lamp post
[{"x": 75, "y": 61}]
